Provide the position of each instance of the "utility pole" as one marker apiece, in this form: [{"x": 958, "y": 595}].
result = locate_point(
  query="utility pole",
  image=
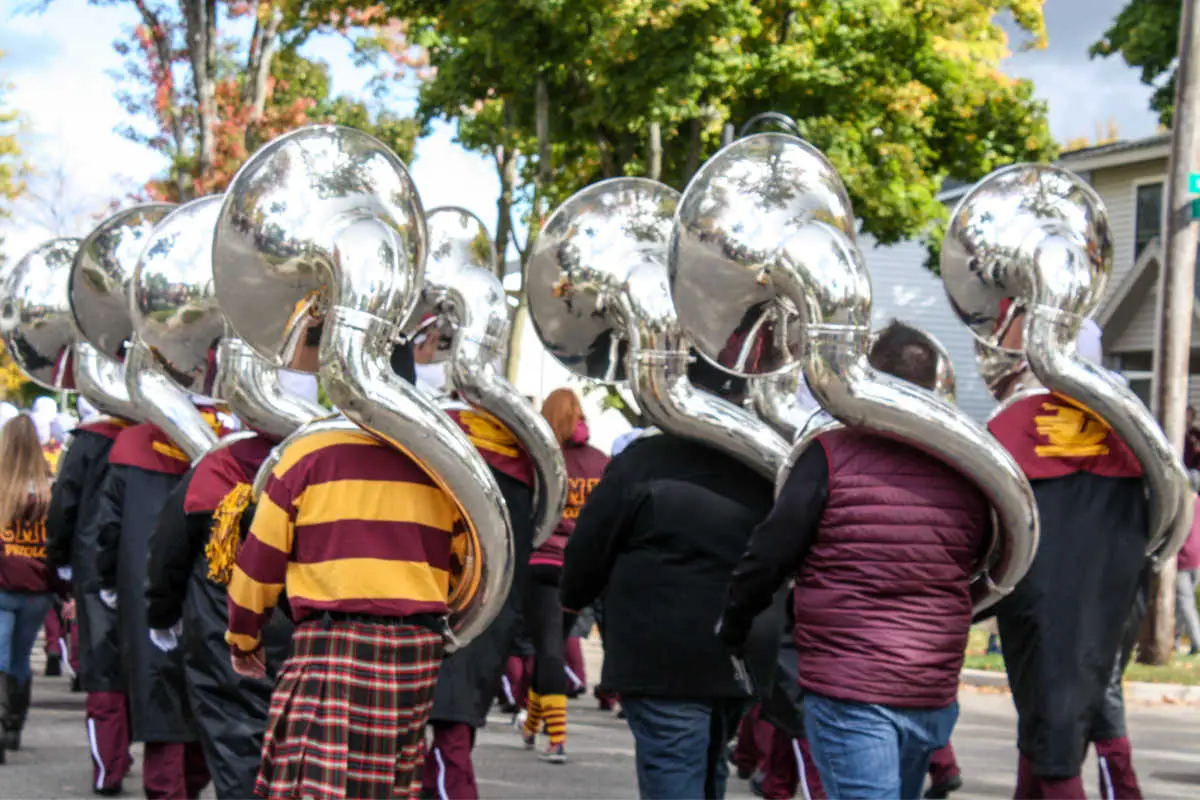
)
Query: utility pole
[{"x": 1177, "y": 298}]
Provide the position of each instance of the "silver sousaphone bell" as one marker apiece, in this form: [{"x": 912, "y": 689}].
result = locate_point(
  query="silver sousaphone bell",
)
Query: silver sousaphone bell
[
  {"x": 35, "y": 318},
  {"x": 99, "y": 297},
  {"x": 766, "y": 274},
  {"x": 1030, "y": 244}
]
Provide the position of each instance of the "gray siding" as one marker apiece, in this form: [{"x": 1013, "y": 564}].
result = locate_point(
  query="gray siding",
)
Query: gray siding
[
  {"x": 902, "y": 288},
  {"x": 1116, "y": 187}
]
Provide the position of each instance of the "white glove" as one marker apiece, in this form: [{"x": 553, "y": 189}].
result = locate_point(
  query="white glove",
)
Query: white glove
[
  {"x": 64, "y": 574},
  {"x": 166, "y": 639},
  {"x": 109, "y": 597}
]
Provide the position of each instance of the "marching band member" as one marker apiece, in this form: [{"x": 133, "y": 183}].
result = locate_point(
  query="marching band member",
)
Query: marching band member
[
  {"x": 1082, "y": 586},
  {"x": 658, "y": 538},
  {"x": 470, "y": 677},
  {"x": 25, "y": 580},
  {"x": 369, "y": 635},
  {"x": 879, "y": 698},
  {"x": 544, "y": 617},
  {"x": 191, "y": 561},
  {"x": 71, "y": 549},
  {"x": 144, "y": 466}
]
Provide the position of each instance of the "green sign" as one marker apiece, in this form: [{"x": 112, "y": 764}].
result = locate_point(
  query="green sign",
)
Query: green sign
[
  {"x": 1194, "y": 183},
  {"x": 1196, "y": 208}
]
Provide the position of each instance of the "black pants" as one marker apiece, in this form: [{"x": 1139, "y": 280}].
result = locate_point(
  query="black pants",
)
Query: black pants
[
  {"x": 547, "y": 626},
  {"x": 1109, "y": 719}
]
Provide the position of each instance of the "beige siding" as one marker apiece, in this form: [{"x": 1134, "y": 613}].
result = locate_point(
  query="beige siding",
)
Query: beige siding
[{"x": 1116, "y": 188}]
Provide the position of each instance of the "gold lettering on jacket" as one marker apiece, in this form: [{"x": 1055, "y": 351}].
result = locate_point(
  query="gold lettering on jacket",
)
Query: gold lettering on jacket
[
  {"x": 578, "y": 490},
  {"x": 25, "y": 540}
]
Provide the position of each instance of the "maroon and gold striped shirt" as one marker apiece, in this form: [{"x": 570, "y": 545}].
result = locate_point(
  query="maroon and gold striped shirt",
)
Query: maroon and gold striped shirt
[{"x": 348, "y": 524}]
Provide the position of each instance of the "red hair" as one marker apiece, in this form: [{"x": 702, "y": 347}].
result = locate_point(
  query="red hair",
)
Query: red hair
[{"x": 563, "y": 411}]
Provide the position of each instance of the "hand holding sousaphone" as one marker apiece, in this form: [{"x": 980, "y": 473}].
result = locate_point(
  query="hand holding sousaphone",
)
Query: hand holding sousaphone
[{"x": 765, "y": 274}]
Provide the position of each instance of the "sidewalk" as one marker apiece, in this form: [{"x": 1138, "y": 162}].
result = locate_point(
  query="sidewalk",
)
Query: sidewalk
[{"x": 1169, "y": 693}]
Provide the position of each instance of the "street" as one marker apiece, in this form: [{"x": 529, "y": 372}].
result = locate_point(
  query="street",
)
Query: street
[{"x": 54, "y": 761}]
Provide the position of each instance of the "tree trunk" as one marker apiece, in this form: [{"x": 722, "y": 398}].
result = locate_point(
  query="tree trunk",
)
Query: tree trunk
[
  {"x": 693, "y": 153},
  {"x": 506, "y": 166},
  {"x": 1176, "y": 302},
  {"x": 654, "y": 153},
  {"x": 201, "y": 18},
  {"x": 258, "y": 68},
  {"x": 162, "y": 49}
]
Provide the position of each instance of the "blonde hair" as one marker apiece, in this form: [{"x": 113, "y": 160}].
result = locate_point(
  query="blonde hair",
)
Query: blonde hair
[
  {"x": 25, "y": 491},
  {"x": 563, "y": 411}
]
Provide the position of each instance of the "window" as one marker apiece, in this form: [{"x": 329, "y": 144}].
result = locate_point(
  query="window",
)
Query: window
[
  {"x": 1147, "y": 224},
  {"x": 1140, "y": 383}
]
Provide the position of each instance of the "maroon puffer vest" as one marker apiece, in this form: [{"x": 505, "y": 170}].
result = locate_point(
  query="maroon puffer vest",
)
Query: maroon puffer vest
[{"x": 882, "y": 601}]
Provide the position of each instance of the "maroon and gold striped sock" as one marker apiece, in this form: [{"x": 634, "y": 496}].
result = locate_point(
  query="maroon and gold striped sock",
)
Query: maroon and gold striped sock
[
  {"x": 533, "y": 711},
  {"x": 554, "y": 708}
]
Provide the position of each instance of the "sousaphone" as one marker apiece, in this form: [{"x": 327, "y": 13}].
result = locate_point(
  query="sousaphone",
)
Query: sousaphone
[
  {"x": 324, "y": 224},
  {"x": 1031, "y": 244},
  {"x": 766, "y": 274}
]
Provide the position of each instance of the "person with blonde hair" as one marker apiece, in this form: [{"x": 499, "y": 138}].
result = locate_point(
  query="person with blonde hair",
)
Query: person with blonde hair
[
  {"x": 25, "y": 578},
  {"x": 547, "y": 704}
]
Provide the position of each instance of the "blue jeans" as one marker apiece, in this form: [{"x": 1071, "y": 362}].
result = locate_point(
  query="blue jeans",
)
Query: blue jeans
[
  {"x": 21, "y": 617},
  {"x": 681, "y": 745},
  {"x": 867, "y": 751}
]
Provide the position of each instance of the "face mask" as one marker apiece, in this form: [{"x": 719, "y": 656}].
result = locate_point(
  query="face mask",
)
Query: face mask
[
  {"x": 431, "y": 378},
  {"x": 580, "y": 434},
  {"x": 299, "y": 384}
]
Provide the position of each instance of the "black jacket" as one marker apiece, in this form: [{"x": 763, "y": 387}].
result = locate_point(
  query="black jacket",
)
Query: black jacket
[
  {"x": 126, "y": 516},
  {"x": 659, "y": 537},
  {"x": 71, "y": 541},
  {"x": 470, "y": 678},
  {"x": 229, "y": 711},
  {"x": 1062, "y": 627}
]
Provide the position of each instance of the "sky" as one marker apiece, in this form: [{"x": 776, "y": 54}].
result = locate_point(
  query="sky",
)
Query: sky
[{"x": 60, "y": 64}]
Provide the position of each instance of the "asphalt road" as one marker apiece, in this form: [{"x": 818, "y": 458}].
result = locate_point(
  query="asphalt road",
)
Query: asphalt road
[{"x": 54, "y": 760}]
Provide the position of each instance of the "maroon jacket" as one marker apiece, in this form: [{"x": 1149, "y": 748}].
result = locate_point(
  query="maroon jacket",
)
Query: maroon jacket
[
  {"x": 23, "y": 565},
  {"x": 1189, "y": 554},
  {"x": 882, "y": 539},
  {"x": 585, "y": 467}
]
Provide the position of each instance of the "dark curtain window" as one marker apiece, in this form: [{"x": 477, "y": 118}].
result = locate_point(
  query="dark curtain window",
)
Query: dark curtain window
[{"x": 1147, "y": 224}]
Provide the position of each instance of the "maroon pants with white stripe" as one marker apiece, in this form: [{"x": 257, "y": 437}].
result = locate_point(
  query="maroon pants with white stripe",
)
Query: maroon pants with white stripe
[
  {"x": 108, "y": 738},
  {"x": 790, "y": 771},
  {"x": 173, "y": 771},
  {"x": 943, "y": 765},
  {"x": 449, "y": 773}
]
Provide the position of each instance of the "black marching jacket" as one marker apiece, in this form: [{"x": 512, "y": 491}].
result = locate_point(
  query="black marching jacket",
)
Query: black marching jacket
[
  {"x": 470, "y": 678},
  {"x": 71, "y": 542},
  {"x": 144, "y": 468},
  {"x": 659, "y": 538},
  {"x": 229, "y": 710}
]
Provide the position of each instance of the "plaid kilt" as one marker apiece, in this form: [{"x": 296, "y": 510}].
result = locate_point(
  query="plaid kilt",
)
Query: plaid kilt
[{"x": 348, "y": 713}]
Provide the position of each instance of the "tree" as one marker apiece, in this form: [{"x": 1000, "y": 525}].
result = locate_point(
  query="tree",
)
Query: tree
[
  {"x": 1146, "y": 35},
  {"x": 212, "y": 97},
  {"x": 1107, "y": 133},
  {"x": 11, "y": 165},
  {"x": 899, "y": 95}
]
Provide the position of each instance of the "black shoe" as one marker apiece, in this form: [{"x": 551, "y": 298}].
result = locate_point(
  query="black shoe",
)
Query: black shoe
[
  {"x": 109, "y": 791},
  {"x": 756, "y": 785},
  {"x": 940, "y": 791},
  {"x": 53, "y": 666},
  {"x": 75, "y": 685}
]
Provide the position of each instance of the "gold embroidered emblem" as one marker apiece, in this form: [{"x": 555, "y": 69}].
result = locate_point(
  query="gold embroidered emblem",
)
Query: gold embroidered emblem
[{"x": 1072, "y": 432}]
